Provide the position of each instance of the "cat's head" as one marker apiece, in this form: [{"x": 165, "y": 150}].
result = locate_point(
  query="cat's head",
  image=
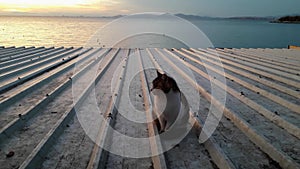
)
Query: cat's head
[{"x": 164, "y": 83}]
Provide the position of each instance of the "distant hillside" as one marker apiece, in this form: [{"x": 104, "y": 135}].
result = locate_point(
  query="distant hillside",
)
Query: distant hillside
[
  {"x": 192, "y": 16},
  {"x": 252, "y": 18},
  {"x": 221, "y": 18},
  {"x": 288, "y": 19}
]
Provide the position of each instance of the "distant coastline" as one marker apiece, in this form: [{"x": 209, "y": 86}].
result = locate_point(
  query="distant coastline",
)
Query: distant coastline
[
  {"x": 288, "y": 20},
  {"x": 184, "y": 16}
]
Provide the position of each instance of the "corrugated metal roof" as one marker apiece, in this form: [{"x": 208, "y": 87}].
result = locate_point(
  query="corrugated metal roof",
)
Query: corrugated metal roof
[{"x": 40, "y": 129}]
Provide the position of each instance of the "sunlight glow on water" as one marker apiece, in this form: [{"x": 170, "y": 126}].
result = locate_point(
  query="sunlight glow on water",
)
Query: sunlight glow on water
[{"x": 47, "y": 31}]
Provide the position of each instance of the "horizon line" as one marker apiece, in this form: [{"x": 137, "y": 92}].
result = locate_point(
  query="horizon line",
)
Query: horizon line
[{"x": 120, "y": 15}]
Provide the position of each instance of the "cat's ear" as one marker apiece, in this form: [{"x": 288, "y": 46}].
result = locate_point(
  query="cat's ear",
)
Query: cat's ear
[{"x": 158, "y": 73}]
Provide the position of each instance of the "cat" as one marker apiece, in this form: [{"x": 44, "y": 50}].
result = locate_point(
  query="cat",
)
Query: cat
[{"x": 170, "y": 105}]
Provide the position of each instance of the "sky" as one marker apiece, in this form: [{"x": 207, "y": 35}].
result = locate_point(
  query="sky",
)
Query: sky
[{"x": 214, "y": 8}]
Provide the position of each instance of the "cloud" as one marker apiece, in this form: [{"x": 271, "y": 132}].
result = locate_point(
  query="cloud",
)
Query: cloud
[{"x": 44, "y": 7}]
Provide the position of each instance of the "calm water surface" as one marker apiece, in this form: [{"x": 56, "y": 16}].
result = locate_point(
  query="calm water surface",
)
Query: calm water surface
[
  {"x": 47, "y": 31},
  {"x": 70, "y": 31},
  {"x": 250, "y": 33}
]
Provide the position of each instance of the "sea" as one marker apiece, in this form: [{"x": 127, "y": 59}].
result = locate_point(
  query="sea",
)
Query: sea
[{"x": 77, "y": 31}]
